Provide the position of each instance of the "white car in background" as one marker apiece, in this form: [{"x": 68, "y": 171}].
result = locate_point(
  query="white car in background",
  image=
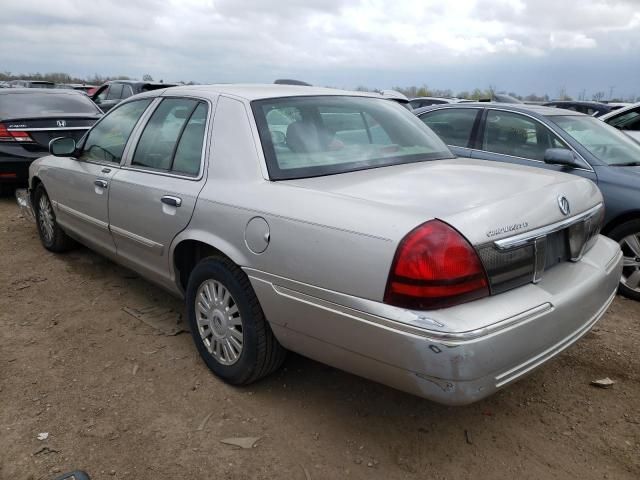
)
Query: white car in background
[{"x": 626, "y": 119}]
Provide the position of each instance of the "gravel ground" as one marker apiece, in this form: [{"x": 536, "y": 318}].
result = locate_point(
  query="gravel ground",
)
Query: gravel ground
[{"x": 121, "y": 399}]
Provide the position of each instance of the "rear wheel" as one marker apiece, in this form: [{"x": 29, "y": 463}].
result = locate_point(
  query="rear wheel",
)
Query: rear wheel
[
  {"x": 628, "y": 236},
  {"x": 227, "y": 323},
  {"x": 52, "y": 237}
]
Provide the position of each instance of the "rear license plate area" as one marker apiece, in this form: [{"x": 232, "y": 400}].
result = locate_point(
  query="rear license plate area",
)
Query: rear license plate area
[{"x": 557, "y": 249}]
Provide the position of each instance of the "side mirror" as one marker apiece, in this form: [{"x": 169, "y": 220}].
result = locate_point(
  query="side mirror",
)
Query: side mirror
[
  {"x": 62, "y": 147},
  {"x": 560, "y": 156}
]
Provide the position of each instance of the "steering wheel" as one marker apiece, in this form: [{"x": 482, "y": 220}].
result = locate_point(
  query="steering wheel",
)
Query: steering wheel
[{"x": 110, "y": 157}]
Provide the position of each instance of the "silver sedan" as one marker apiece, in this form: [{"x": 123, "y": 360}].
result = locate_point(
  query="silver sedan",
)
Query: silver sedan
[{"x": 336, "y": 225}]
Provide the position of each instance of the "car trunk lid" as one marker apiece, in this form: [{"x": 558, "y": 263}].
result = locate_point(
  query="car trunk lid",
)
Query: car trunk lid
[{"x": 41, "y": 130}]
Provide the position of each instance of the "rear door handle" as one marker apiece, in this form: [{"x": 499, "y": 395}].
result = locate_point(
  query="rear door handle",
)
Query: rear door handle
[
  {"x": 101, "y": 183},
  {"x": 171, "y": 200}
]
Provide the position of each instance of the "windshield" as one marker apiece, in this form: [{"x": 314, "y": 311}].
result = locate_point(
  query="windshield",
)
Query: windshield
[
  {"x": 314, "y": 136},
  {"x": 603, "y": 141},
  {"x": 27, "y": 104}
]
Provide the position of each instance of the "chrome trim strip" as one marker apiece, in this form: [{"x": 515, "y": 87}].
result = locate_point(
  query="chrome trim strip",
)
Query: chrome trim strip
[
  {"x": 82, "y": 216},
  {"x": 387, "y": 316},
  {"x": 47, "y": 129},
  {"x": 145, "y": 242},
  {"x": 524, "y": 368},
  {"x": 526, "y": 237}
]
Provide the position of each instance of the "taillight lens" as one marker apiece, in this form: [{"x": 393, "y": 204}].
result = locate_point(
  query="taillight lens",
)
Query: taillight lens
[
  {"x": 435, "y": 267},
  {"x": 13, "y": 135}
]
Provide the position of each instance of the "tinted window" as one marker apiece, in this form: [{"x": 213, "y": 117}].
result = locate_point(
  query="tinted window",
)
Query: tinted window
[
  {"x": 189, "y": 151},
  {"x": 313, "y": 136},
  {"x": 127, "y": 91},
  {"x": 454, "y": 126},
  {"x": 517, "y": 135},
  {"x": 158, "y": 141},
  {"x": 629, "y": 120},
  {"x": 106, "y": 141},
  {"x": 12, "y": 104},
  {"x": 115, "y": 91}
]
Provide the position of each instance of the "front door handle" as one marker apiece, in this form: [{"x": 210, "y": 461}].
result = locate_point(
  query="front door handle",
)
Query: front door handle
[
  {"x": 171, "y": 200},
  {"x": 101, "y": 183}
]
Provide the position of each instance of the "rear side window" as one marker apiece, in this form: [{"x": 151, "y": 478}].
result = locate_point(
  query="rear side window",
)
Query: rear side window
[
  {"x": 454, "y": 126},
  {"x": 115, "y": 91},
  {"x": 106, "y": 141},
  {"x": 519, "y": 136},
  {"x": 127, "y": 91},
  {"x": 25, "y": 104},
  {"x": 189, "y": 150},
  {"x": 173, "y": 137}
]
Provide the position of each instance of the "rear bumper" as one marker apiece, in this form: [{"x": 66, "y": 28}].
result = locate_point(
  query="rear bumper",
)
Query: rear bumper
[{"x": 453, "y": 356}]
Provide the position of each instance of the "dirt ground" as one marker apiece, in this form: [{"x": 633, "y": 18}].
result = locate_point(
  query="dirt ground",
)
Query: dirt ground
[{"x": 121, "y": 399}]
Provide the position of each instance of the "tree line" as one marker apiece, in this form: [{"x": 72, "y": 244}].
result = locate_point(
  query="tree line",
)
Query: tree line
[{"x": 411, "y": 92}]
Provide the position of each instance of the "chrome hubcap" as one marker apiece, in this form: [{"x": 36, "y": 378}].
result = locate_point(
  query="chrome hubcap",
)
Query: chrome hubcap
[
  {"x": 630, "y": 246},
  {"x": 219, "y": 322},
  {"x": 45, "y": 218}
]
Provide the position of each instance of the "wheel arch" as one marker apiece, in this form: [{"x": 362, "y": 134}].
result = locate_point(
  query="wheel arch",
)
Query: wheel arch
[
  {"x": 190, "y": 247},
  {"x": 620, "y": 219}
]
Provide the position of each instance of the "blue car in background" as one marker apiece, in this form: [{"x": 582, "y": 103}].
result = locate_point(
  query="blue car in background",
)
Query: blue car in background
[{"x": 560, "y": 140}]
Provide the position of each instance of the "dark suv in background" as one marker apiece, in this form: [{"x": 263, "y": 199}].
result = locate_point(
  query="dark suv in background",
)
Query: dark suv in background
[
  {"x": 560, "y": 140},
  {"x": 112, "y": 93}
]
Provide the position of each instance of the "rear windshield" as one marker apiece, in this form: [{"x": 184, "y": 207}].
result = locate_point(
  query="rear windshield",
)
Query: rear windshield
[
  {"x": 314, "y": 136},
  {"x": 25, "y": 104}
]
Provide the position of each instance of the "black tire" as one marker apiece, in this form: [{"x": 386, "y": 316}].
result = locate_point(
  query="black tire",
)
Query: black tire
[
  {"x": 261, "y": 353},
  {"x": 58, "y": 241},
  {"x": 618, "y": 233}
]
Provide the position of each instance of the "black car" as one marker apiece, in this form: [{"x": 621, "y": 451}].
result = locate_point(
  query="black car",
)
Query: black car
[
  {"x": 559, "y": 140},
  {"x": 31, "y": 84},
  {"x": 30, "y": 119},
  {"x": 112, "y": 93},
  {"x": 595, "y": 109}
]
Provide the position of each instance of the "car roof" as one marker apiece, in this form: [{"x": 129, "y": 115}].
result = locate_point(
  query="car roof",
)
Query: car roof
[
  {"x": 515, "y": 107},
  {"x": 261, "y": 91},
  {"x": 140, "y": 82},
  {"x": 48, "y": 91}
]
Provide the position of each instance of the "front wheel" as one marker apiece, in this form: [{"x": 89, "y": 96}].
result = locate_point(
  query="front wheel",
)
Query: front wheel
[
  {"x": 52, "y": 237},
  {"x": 628, "y": 236},
  {"x": 228, "y": 326}
]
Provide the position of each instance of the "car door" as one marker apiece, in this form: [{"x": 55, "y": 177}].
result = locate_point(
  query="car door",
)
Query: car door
[
  {"x": 79, "y": 185},
  {"x": 514, "y": 137},
  {"x": 153, "y": 196},
  {"x": 455, "y": 126}
]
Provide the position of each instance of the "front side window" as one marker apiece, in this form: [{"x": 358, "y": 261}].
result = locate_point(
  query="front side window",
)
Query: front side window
[
  {"x": 161, "y": 140},
  {"x": 127, "y": 91},
  {"x": 629, "y": 120},
  {"x": 102, "y": 95},
  {"x": 603, "y": 141},
  {"x": 324, "y": 135},
  {"x": 106, "y": 141},
  {"x": 453, "y": 125},
  {"x": 518, "y": 136}
]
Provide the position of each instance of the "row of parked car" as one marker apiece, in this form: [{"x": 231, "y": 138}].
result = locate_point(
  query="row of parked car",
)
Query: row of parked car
[{"x": 446, "y": 251}]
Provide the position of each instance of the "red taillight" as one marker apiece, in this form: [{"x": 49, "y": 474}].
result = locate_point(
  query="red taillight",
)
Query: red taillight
[
  {"x": 13, "y": 135},
  {"x": 435, "y": 267}
]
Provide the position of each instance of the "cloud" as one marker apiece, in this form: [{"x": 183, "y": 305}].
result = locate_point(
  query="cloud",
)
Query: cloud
[{"x": 333, "y": 41}]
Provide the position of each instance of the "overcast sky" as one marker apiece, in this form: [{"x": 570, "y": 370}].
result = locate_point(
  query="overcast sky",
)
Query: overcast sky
[{"x": 523, "y": 46}]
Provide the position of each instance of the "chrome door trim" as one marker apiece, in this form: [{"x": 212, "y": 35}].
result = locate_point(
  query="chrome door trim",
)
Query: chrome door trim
[
  {"x": 82, "y": 216},
  {"x": 145, "y": 242},
  {"x": 523, "y": 238}
]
